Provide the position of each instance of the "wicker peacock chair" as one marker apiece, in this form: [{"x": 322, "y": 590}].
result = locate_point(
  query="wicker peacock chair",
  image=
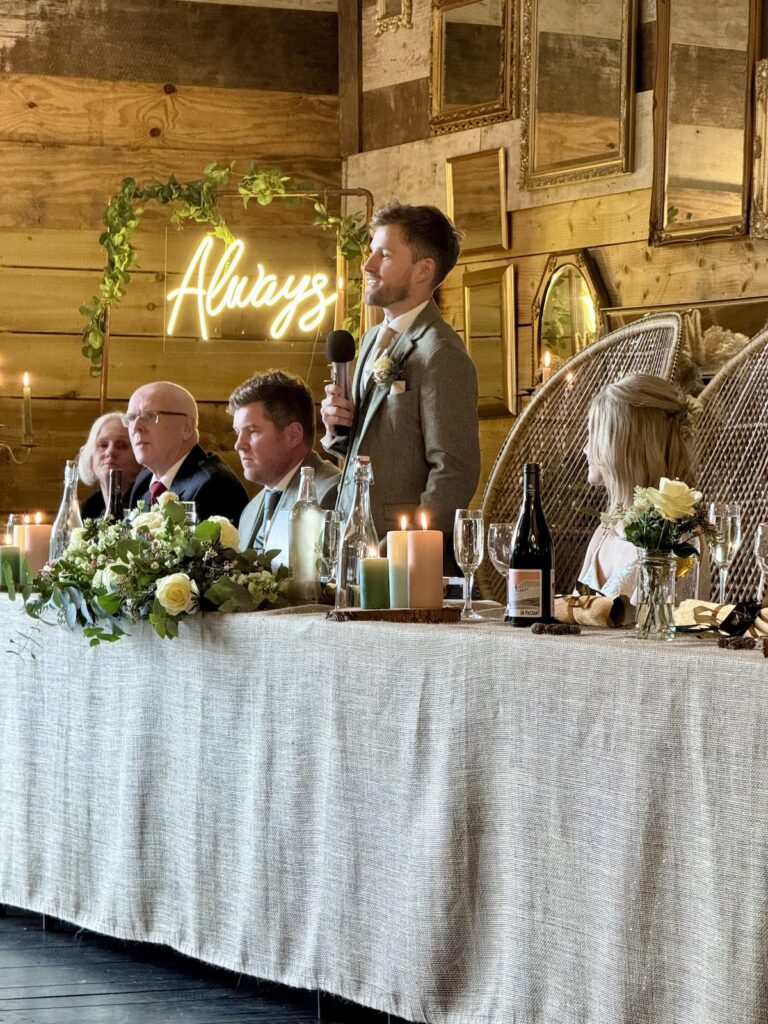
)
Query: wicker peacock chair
[
  {"x": 552, "y": 430},
  {"x": 732, "y": 450}
]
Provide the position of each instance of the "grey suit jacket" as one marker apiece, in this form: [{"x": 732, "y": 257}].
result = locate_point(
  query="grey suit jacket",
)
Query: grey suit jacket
[
  {"x": 423, "y": 442},
  {"x": 327, "y": 477}
]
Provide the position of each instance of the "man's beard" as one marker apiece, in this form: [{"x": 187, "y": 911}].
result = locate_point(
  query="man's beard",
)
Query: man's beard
[{"x": 384, "y": 296}]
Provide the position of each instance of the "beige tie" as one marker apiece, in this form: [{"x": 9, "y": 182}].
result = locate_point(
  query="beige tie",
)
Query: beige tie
[{"x": 382, "y": 343}]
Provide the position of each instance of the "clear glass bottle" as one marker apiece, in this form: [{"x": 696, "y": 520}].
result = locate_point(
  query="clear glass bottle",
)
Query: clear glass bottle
[
  {"x": 68, "y": 517},
  {"x": 114, "y": 509},
  {"x": 358, "y": 539},
  {"x": 305, "y": 539}
]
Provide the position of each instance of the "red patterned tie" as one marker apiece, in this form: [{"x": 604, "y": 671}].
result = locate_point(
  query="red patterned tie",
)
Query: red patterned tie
[{"x": 155, "y": 490}]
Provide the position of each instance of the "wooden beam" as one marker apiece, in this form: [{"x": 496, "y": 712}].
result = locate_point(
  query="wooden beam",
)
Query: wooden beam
[{"x": 350, "y": 77}]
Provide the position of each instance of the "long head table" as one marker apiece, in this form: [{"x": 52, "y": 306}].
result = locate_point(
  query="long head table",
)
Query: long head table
[{"x": 459, "y": 823}]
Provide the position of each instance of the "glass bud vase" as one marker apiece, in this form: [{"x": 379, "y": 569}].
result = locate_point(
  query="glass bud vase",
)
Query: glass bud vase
[{"x": 655, "y": 595}]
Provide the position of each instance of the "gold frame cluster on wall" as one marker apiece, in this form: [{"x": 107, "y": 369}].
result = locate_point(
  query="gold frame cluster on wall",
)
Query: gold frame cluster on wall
[{"x": 392, "y": 15}]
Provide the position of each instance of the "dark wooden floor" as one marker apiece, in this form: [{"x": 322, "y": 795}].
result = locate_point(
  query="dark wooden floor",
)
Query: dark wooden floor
[{"x": 59, "y": 975}]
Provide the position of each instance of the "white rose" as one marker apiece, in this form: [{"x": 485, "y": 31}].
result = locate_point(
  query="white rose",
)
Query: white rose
[
  {"x": 673, "y": 499},
  {"x": 147, "y": 521},
  {"x": 110, "y": 579},
  {"x": 76, "y": 541},
  {"x": 229, "y": 536},
  {"x": 176, "y": 593},
  {"x": 165, "y": 497}
]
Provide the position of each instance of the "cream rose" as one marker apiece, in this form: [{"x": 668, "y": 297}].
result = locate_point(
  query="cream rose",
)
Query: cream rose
[
  {"x": 176, "y": 593},
  {"x": 76, "y": 541},
  {"x": 673, "y": 499},
  {"x": 165, "y": 497},
  {"x": 228, "y": 536},
  {"x": 147, "y": 521}
]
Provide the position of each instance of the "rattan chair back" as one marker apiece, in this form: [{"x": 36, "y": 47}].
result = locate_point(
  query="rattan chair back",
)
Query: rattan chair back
[
  {"x": 732, "y": 452},
  {"x": 552, "y": 430}
]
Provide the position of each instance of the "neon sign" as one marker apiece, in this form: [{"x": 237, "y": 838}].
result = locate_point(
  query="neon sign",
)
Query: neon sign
[{"x": 226, "y": 289}]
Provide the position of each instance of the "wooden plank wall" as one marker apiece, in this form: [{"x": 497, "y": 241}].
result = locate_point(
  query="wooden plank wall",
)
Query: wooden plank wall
[
  {"x": 609, "y": 216},
  {"x": 93, "y": 92}
]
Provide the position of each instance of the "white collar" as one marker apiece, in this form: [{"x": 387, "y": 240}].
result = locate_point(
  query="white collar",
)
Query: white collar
[
  {"x": 405, "y": 320},
  {"x": 170, "y": 475}
]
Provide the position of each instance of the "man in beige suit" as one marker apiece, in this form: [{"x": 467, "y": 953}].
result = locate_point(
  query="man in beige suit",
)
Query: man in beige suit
[{"x": 413, "y": 407}]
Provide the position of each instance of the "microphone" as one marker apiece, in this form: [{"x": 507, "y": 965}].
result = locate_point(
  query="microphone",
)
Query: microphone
[{"x": 340, "y": 350}]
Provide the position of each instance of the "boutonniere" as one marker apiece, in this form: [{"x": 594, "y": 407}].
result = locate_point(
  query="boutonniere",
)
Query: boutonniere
[{"x": 386, "y": 371}]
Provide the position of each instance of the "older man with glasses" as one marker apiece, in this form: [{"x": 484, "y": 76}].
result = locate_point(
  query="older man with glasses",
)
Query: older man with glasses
[{"x": 162, "y": 426}]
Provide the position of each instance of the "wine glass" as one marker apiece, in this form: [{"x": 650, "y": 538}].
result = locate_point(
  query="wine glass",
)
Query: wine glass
[
  {"x": 500, "y": 545},
  {"x": 333, "y": 521},
  {"x": 725, "y": 517},
  {"x": 761, "y": 554},
  {"x": 468, "y": 550}
]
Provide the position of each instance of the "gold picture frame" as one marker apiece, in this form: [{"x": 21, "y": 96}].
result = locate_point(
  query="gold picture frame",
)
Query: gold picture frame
[
  {"x": 392, "y": 15},
  {"x": 576, "y": 91},
  {"x": 473, "y": 64},
  {"x": 490, "y": 337},
  {"x": 476, "y": 195},
  {"x": 758, "y": 216},
  {"x": 568, "y": 308}
]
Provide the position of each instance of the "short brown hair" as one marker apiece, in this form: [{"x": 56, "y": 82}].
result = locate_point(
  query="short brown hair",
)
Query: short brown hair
[
  {"x": 429, "y": 233},
  {"x": 286, "y": 399}
]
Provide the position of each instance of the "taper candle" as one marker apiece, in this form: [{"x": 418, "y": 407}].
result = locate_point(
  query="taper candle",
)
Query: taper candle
[{"x": 26, "y": 409}]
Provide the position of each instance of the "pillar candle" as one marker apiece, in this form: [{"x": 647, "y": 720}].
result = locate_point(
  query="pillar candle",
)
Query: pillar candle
[
  {"x": 26, "y": 409},
  {"x": 10, "y": 554},
  {"x": 425, "y": 568},
  {"x": 397, "y": 553},
  {"x": 37, "y": 540},
  {"x": 374, "y": 582},
  {"x": 18, "y": 533}
]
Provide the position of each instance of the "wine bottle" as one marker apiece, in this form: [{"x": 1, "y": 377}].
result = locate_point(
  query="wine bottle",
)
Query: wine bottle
[
  {"x": 114, "y": 509},
  {"x": 358, "y": 539},
  {"x": 305, "y": 534},
  {"x": 531, "y": 583},
  {"x": 68, "y": 517}
]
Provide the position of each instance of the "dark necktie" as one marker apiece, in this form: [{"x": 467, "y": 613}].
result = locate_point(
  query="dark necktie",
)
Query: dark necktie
[
  {"x": 156, "y": 488},
  {"x": 271, "y": 500}
]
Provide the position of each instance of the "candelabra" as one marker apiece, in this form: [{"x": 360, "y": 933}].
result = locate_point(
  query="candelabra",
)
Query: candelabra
[{"x": 24, "y": 447}]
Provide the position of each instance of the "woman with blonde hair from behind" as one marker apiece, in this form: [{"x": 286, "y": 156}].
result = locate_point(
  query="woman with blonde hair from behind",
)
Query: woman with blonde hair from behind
[{"x": 640, "y": 429}]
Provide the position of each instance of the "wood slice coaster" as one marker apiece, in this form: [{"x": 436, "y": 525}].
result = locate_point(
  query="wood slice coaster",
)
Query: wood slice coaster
[{"x": 395, "y": 615}]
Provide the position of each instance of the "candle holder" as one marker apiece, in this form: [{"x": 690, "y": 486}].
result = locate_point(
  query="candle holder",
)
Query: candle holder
[{"x": 24, "y": 446}]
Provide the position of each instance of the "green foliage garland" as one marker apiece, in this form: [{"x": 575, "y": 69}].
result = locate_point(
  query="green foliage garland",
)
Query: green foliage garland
[{"x": 197, "y": 201}]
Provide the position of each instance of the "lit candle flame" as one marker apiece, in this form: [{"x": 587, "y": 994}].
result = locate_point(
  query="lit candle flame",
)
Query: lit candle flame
[
  {"x": 547, "y": 358},
  {"x": 25, "y": 379},
  {"x": 38, "y": 518},
  {"x": 340, "y": 284},
  {"x": 569, "y": 379},
  {"x": 372, "y": 552},
  {"x": 26, "y": 520},
  {"x": 403, "y": 522},
  {"x": 423, "y": 521}
]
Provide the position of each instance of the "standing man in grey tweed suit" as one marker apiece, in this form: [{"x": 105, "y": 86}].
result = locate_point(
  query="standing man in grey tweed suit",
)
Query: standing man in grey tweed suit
[{"x": 413, "y": 407}]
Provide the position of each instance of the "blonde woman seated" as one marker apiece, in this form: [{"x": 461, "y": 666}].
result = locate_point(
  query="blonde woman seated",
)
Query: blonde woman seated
[
  {"x": 108, "y": 447},
  {"x": 639, "y": 431}
]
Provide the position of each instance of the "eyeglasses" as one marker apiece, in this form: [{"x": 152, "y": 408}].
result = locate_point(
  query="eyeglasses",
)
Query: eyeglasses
[{"x": 150, "y": 416}]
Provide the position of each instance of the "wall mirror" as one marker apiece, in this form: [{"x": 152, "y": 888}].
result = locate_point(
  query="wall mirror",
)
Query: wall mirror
[
  {"x": 758, "y": 217},
  {"x": 476, "y": 194},
  {"x": 702, "y": 119},
  {"x": 576, "y": 90},
  {"x": 489, "y": 333},
  {"x": 472, "y": 60},
  {"x": 392, "y": 15},
  {"x": 568, "y": 307}
]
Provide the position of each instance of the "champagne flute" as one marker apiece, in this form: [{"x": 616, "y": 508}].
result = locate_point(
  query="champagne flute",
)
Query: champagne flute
[
  {"x": 333, "y": 521},
  {"x": 500, "y": 545},
  {"x": 725, "y": 517},
  {"x": 468, "y": 546},
  {"x": 761, "y": 554}
]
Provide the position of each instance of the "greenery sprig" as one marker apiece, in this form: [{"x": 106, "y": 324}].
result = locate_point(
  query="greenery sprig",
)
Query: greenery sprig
[{"x": 197, "y": 201}]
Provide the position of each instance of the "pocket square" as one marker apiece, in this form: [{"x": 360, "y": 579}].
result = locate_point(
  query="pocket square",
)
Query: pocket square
[{"x": 398, "y": 387}]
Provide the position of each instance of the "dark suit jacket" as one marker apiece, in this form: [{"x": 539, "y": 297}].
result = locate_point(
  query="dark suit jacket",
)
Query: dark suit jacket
[{"x": 205, "y": 479}]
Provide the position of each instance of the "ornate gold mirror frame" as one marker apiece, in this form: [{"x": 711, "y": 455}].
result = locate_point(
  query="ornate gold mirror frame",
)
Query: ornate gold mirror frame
[
  {"x": 472, "y": 63},
  {"x": 758, "y": 217},
  {"x": 392, "y": 15},
  {"x": 703, "y": 118},
  {"x": 476, "y": 194},
  {"x": 568, "y": 306},
  {"x": 489, "y": 334},
  {"x": 576, "y": 90}
]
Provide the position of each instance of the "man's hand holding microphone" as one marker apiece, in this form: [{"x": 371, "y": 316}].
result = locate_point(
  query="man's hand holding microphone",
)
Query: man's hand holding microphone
[{"x": 337, "y": 408}]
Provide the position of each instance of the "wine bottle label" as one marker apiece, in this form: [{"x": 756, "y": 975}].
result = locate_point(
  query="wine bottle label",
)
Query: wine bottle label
[{"x": 524, "y": 593}]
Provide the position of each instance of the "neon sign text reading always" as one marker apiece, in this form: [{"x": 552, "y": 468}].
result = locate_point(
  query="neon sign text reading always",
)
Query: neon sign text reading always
[{"x": 227, "y": 290}]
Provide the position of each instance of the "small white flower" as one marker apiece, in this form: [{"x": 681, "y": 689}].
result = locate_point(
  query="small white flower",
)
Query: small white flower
[
  {"x": 165, "y": 497},
  {"x": 76, "y": 541},
  {"x": 228, "y": 536}
]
